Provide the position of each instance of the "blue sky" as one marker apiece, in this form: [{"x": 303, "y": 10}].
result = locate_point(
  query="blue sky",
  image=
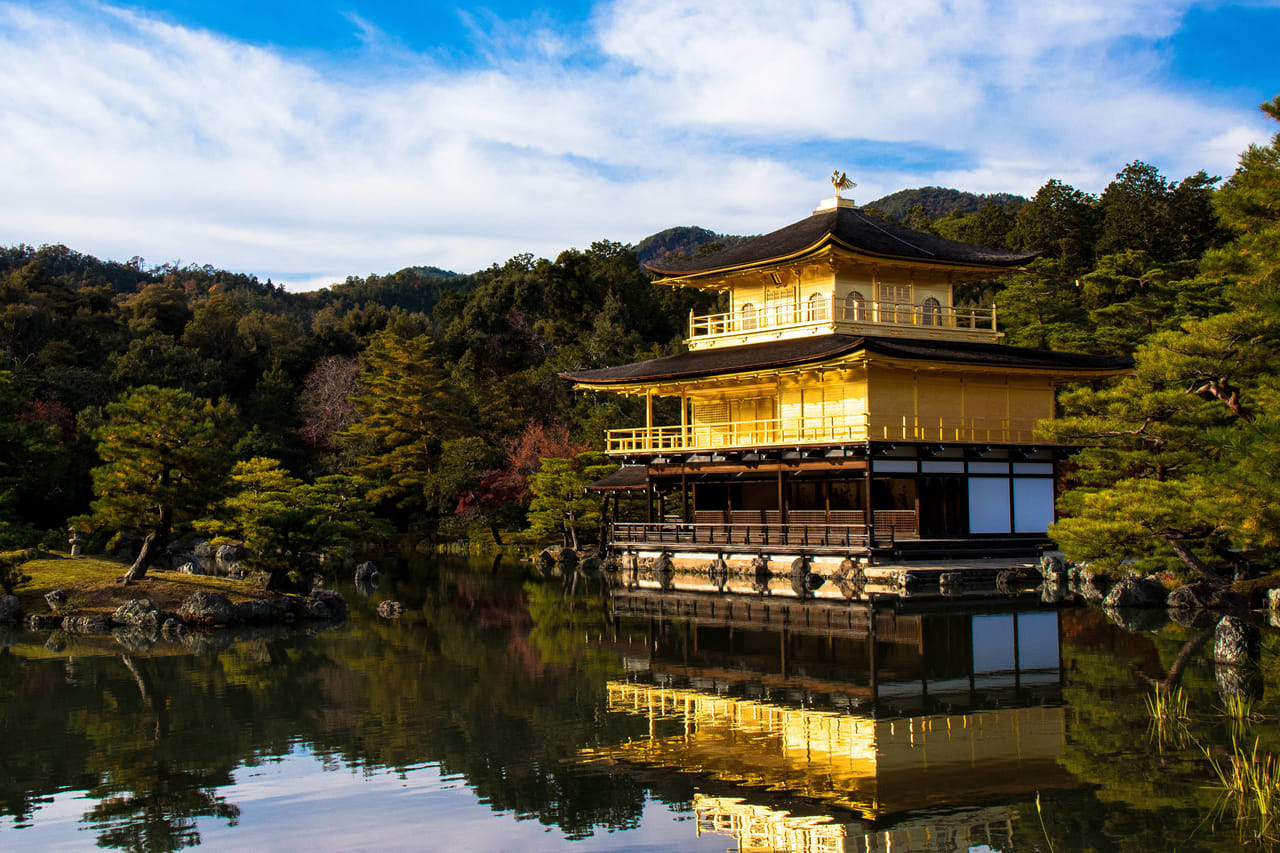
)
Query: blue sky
[{"x": 311, "y": 141}]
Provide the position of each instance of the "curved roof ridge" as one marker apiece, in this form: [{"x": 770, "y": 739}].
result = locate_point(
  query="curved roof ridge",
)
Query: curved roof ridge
[
  {"x": 852, "y": 229},
  {"x": 876, "y": 225}
]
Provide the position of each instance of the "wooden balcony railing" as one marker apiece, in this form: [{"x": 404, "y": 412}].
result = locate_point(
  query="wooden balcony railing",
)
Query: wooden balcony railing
[
  {"x": 809, "y": 431},
  {"x": 802, "y": 533},
  {"x": 817, "y": 538},
  {"x": 828, "y": 311}
]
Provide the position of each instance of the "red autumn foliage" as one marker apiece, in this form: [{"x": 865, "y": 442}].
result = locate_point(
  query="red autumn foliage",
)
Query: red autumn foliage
[
  {"x": 510, "y": 484},
  {"x": 47, "y": 412}
]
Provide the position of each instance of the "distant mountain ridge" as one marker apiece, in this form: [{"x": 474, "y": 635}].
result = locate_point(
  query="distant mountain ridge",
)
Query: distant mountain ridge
[
  {"x": 939, "y": 201},
  {"x": 686, "y": 240}
]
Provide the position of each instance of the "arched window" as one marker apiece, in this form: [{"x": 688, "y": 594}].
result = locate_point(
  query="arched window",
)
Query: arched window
[
  {"x": 855, "y": 307},
  {"x": 932, "y": 311},
  {"x": 817, "y": 308},
  {"x": 748, "y": 316}
]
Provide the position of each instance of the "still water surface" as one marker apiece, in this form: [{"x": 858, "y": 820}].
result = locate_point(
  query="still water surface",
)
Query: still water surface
[{"x": 508, "y": 713}]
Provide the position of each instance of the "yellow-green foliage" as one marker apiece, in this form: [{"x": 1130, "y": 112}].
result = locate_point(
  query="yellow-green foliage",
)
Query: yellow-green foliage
[
  {"x": 92, "y": 583},
  {"x": 1250, "y": 783}
]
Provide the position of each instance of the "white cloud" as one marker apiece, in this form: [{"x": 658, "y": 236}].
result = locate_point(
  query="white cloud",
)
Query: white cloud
[{"x": 125, "y": 135}]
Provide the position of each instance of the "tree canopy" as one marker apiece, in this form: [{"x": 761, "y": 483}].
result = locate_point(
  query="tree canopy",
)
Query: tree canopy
[{"x": 128, "y": 392}]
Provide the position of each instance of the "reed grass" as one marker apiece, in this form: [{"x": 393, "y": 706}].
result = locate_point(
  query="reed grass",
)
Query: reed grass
[
  {"x": 1043, "y": 828},
  {"x": 1167, "y": 705},
  {"x": 1237, "y": 706},
  {"x": 1168, "y": 712},
  {"x": 1250, "y": 783}
]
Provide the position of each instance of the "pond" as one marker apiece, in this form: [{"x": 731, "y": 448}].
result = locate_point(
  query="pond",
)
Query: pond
[{"x": 508, "y": 712}]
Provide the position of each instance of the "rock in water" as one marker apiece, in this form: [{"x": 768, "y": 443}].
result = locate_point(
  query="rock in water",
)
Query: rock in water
[
  {"x": 1235, "y": 641},
  {"x": 760, "y": 574},
  {"x": 366, "y": 572},
  {"x": 390, "y": 610}
]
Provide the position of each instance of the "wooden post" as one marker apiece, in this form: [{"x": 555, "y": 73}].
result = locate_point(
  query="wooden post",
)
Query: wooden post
[
  {"x": 648, "y": 418},
  {"x": 684, "y": 420},
  {"x": 782, "y": 508}
]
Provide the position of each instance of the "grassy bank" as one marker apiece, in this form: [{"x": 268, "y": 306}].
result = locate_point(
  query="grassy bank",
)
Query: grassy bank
[{"x": 93, "y": 586}]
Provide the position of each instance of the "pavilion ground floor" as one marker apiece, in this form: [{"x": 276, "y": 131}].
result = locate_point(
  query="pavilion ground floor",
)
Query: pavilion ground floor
[{"x": 866, "y": 501}]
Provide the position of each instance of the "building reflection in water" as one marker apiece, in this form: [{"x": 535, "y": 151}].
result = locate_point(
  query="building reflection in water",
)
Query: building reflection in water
[
  {"x": 761, "y": 828},
  {"x": 832, "y": 727}
]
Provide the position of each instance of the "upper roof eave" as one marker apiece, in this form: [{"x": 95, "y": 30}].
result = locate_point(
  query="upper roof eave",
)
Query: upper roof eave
[
  {"x": 852, "y": 231},
  {"x": 778, "y": 355}
]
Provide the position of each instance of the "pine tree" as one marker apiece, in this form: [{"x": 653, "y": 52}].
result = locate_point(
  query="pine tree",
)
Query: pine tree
[
  {"x": 282, "y": 519},
  {"x": 163, "y": 452},
  {"x": 1187, "y": 446},
  {"x": 561, "y": 507},
  {"x": 405, "y": 415}
]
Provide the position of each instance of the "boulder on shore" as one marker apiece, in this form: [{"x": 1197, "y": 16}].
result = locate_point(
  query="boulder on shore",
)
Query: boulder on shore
[
  {"x": 545, "y": 560},
  {"x": 139, "y": 613},
  {"x": 57, "y": 599},
  {"x": 86, "y": 624},
  {"x": 366, "y": 573},
  {"x": 325, "y": 604},
  {"x": 1053, "y": 567},
  {"x": 254, "y": 611},
  {"x": 1135, "y": 592},
  {"x": 1200, "y": 596},
  {"x": 207, "y": 608}
]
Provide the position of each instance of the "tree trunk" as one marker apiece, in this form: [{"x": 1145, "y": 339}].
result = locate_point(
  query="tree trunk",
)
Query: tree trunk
[
  {"x": 571, "y": 531},
  {"x": 1193, "y": 562},
  {"x": 139, "y": 568},
  {"x": 151, "y": 546}
]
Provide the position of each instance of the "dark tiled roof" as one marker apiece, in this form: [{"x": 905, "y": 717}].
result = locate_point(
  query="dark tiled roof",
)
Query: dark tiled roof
[
  {"x": 800, "y": 351},
  {"x": 627, "y": 478},
  {"x": 853, "y": 229},
  {"x": 708, "y": 362}
]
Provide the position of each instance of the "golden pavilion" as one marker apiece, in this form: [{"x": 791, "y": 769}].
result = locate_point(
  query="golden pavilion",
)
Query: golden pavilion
[{"x": 844, "y": 405}]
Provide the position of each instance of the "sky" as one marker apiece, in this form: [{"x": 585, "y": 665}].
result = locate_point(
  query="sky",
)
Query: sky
[{"x": 306, "y": 142}]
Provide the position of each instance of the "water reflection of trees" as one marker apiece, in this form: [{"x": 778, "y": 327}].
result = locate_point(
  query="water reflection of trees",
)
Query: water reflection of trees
[
  {"x": 1141, "y": 795},
  {"x": 489, "y": 678},
  {"x": 491, "y": 682}
]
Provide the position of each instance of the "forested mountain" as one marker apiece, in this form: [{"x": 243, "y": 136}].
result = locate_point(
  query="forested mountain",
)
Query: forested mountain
[
  {"x": 936, "y": 202},
  {"x": 426, "y": 399},
  {"x": 682, "y": 241}
]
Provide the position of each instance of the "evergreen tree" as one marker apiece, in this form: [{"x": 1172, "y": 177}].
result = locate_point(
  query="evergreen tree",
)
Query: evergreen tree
[
  {"x": 1186, "y": 462},
  {"x": 1061, "y": 221},
  {"x": 282, "y": 520},
  {"x": 163, "y": 453},
  {"x": 405, "y": 414},
  {"x": 561, "y": 507}
]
